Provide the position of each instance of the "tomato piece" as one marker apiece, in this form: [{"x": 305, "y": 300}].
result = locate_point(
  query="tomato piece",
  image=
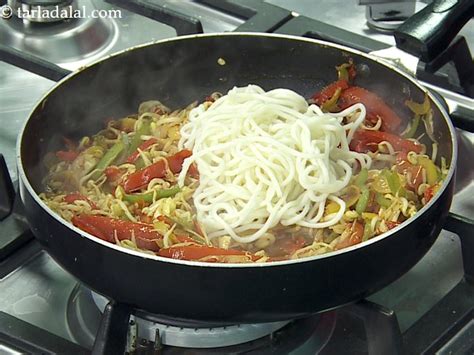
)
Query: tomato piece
[
  {"x": 429, "y": 193},
  {"x": 391, "y": 224},
  {"x": 113, "y": 173},
  {"x": 374, "y": 105},
  {"x": 107, "y": 229},
  {"x": 326, "y": 93},
  {"x": 196, "y": 252},
  {"x": 67, "y": 155},
  {"x": 365, "y": 140},
  {"x": 72, "y": 197},
  {"x": 412, "y": 172},
  {"x": 357, "y": 232},
  {"x": 144, "y": 146},
  {"x": 141, "y": 178}
]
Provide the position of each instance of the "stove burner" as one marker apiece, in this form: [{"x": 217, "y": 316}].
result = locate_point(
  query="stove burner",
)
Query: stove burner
[
  {"x": 84, "y": 312},
  {"x": 69, "y": 41},
  {"x": 197, "y": 337}
]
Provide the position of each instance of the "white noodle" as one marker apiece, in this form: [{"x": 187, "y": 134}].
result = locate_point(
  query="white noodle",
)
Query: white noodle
[{"x": 267, "y": 158}]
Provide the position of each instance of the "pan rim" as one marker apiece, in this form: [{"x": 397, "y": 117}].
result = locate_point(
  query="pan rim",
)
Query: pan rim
[{"x": 25, "y": 181}]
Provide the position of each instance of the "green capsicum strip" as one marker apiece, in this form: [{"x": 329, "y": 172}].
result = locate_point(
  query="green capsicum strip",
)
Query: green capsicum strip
[
  {"x": 393, "y": 181},
  {"x": 430, "y": 168},
  {"x": 414, "y": 126},
  {"x": 367, "y": 232},
  {"x": 362, "y": 177},
  {"x": 144, "y": 130},
  {"x": 419, "y": 109},
  {"x": 382, "y": 201},
  {"x": 342, "y": 72},
  {"x": 148, "y": 196},
  {"x": 363, "y": 200},
  {"x": 108, "y": 159},
  {"x": 331, "y": 104}
]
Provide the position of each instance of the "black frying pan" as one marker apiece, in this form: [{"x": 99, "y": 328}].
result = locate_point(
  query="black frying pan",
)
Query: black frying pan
[{"x": 177, "y": 72}]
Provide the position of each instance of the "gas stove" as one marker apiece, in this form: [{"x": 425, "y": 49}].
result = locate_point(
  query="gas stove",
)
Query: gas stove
[{"x": 44, "y": 309}]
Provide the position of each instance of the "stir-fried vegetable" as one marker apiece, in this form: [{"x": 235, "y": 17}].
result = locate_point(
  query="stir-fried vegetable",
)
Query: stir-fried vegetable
[
  {"x": 329, "y": 91},
  {"x": 362, "y": 177},
  {"x": 375, "y": 106},
  {"x": 144, "y": 146},
  {"x": 382, "y": 201},
  {"x": 121, "y": 185},
  {"x": 108, "y": 159},
  {"x": 73, "y": 197},
  {"x": 363, "y": 201},
  {"x": 417, "y": 108},
  {"x": 196, "y": 252},
  {"x": 393, "y": 181},
  {"x": 346, "y": 71},
  {"x": 413, "y": 127},
  {"x": 420, "y": 110},
  {"x": 430, "y": 168},
  {"x": 148, "y": 197},
  {"x": 108, "y": 229},
  {"x": 142, "y": 177},
  {"x": 67, "y": 155},
  {"x": 351, "y": 236},
  {"x": 365, "y": 140}
]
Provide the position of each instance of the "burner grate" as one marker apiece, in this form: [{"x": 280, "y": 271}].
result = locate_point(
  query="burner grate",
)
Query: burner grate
[
  {"x": 158, "y": 11},
  {"x": 259, "y": 16}
]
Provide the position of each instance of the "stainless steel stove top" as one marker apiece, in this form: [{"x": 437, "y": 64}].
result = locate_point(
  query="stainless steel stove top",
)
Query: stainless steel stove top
[{"x": 38, "y": 291}]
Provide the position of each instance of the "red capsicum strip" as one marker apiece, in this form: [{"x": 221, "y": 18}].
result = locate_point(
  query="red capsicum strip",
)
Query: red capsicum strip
[
  {"x": 73, "y": 197},
  {"x": 67, "y": 155},
  {"x": 107, "y": 228},
  {"x": 329, "y": 91},
  {"x": 375, "y": 106},
  {"x": 391, "y": 225},
  {"x": 355, "y": 238},
  {"x": 113, "y": 173},
  {"x": 141, "y": 178},
  {"x": 365, "y": 140},
  {"x": 429, "y": 193},
  {"x": 196, "y": 252},
  {"x": 144, "y": 146}
]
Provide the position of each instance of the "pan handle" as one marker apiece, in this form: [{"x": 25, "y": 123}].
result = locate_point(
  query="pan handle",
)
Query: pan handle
[
  {"x": 430, "y": 31},
  {"x": 32, "y": 63}
]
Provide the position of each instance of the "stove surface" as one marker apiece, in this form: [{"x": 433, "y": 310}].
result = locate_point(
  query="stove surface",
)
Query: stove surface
[{"x": 38, "y": 291}]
